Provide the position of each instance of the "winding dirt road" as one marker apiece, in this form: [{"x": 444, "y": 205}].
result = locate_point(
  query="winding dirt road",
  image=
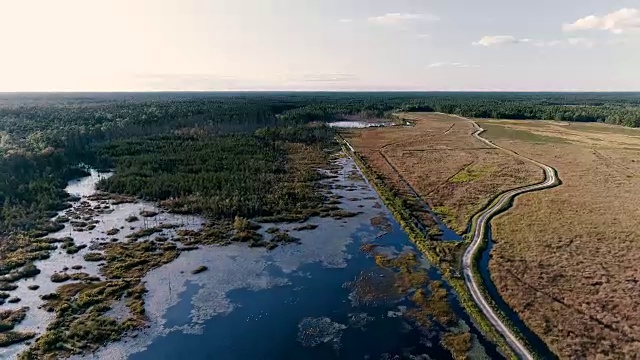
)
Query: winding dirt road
[
  {"x": 481, "y": 221},
  {"x": 551, "y": 180}
]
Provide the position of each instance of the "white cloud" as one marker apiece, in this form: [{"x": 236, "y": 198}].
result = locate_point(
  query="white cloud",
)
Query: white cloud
[
  {"x": 581, "y": 42},
  {"x": 617, "y": 22},
  {"x": 497, "y": 40},
  {"x": 424, "y": 36},
  {"x": 451, "y": 64},
  {"x": 346, "y": 21},
  {"x": 493, "y": 40},
  {"x": 550, "y": 43},
  {"x": 399, "y": 18},
  {"x": 574, "y": 41}
]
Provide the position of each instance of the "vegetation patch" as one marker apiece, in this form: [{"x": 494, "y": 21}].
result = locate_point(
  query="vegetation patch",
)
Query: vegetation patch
[
  {"x": 8, "y": 320},
  {"x": 458, "y": 344},
  {"x": 60, "y": 277},
  {"x": 199, "y": 269},
  {"x": 445, "y": 255},
  {"x": 94, "y": 256},
  {"x": 306, "y": 227},
  {"x": 131, "y": 218},
  {"x": 284, "y": 238},
  {"x": 368, "y": 248},
  {"x": 381, "y": 223},
  {"x": 469, "y": 174},
  {"x": 148, "y": 213},
  {"x": 272, "y": 230},
  {"x": 578, "y": 257}
]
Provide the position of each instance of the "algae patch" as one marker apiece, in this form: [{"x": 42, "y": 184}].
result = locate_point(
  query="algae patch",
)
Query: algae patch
[{"x": 315, "y": 331}]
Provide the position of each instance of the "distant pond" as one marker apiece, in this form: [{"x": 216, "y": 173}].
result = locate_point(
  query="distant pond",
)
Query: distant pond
[{"x": 357, "y": 124}]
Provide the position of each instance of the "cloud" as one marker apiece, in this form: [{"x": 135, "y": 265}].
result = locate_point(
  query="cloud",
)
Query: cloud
[
  {"x": 497, "y": 40},
  {"x": 617, "y": 22},
  {"x": 424, "y": 36},
  {"x": 550, "y": 43},
  {"x": 346, "y": 21},
  {"x": 574, "y": 41},
  {"x": 400, "y": 18},
  {"x": 494, "y": 40},
  {"x": 451, "y": 64},
  {"x": 581, "y": 42}
]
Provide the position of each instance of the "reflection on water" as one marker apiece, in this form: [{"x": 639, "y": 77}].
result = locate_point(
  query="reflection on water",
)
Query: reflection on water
[
  {"x": 293, "y": 302},
  {"x": 306, "y": 300},
  {"x": 357, "y": 124},
  {"x": 112, "y": 217}
]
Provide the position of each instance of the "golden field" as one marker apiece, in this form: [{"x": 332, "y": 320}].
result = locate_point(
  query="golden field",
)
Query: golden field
[
  {"x": 566, "y": 258},
  {"x": 456, "y": 174}
]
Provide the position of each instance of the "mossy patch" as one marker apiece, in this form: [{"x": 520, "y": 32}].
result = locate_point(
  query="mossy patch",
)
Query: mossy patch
[
  {"x": 306, "y": 227},
  {"x": 470, "y": 173},
  {"x": 8, "y": 320},
  {"x": 199, "y": 269},
  {"x": 458, "y": 344}
]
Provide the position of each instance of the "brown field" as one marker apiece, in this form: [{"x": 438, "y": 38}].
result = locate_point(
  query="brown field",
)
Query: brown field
[
  {"x": 566, "y": 259},
  {"x": 453, "y": 172}
]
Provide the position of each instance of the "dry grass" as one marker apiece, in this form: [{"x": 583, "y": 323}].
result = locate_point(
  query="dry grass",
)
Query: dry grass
[
  {"x": 566, "y": 259},
  {"x": 455, "y": 173}
]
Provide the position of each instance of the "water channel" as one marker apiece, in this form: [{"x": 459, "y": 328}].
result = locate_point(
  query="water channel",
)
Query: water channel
[{"x": 297, "y": 301}]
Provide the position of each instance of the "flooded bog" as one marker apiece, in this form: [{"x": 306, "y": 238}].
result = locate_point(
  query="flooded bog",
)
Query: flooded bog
[{"x": 353, "y": 288}]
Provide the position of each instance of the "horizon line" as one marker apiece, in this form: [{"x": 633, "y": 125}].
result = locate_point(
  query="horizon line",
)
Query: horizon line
[{"x": 306, "y": 91}]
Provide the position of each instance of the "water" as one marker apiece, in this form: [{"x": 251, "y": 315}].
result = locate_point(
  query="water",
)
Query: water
[
  {"x": 37, "y": 319},
  {"x": 292, "y": 302},
  {"x": 357, "y": 124}
]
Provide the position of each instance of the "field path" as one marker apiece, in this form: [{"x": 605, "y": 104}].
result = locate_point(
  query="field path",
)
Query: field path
[{"x": 480, "y": 224}]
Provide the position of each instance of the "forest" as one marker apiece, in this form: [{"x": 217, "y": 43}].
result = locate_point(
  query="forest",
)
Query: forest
[
  {"x": 223, "y": 176},
  {"x": 220, "y": 154}
]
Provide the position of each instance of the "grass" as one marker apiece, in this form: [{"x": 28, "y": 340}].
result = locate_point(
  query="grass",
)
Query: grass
[
  {"x": 429, "y": 296},
  {"x": 93, "y": 256},
  {"x": 131, "y": 218},
  {"x": 444, "y": 255},
  {"x": 112, "y": 232},
  {"x": 459, "y": 344},
  {"x": 495, "y": 131},
  {"x": 443, "y": 163},
  {"x": 283, "y": 237},
  {"x": 470, "y": 174},
  {"x": 563, "y": 257},
  {"x": 306, "y": 227},
  {"x": 8, "y": 320}
]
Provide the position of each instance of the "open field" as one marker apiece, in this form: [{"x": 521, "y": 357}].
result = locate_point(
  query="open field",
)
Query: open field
[
  {"x": 455, "y": 173},
  {"x": 566, "y": 259}
]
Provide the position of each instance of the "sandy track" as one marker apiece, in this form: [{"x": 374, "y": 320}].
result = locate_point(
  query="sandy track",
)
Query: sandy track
[{"x": 551, "y": 180}]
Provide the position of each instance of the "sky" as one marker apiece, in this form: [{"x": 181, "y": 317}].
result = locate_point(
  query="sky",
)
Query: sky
[{"x": 417, "y": 45}]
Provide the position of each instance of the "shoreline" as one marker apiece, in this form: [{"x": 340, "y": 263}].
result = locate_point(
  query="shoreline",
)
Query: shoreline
[
  {"x": 425, "y": 246},
  {"x": 474, "y": 250}
]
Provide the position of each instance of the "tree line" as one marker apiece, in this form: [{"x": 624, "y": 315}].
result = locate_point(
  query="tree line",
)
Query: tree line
[{"x": 229, "y": 147}]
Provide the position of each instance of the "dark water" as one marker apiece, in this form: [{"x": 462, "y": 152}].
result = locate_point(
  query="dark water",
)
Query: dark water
[
  {"x": 447, "y": 233},
  {"x": 536, "y": 344},
  {"x": 265, "y": 325},
  {"x": 310, "y": 313}
]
